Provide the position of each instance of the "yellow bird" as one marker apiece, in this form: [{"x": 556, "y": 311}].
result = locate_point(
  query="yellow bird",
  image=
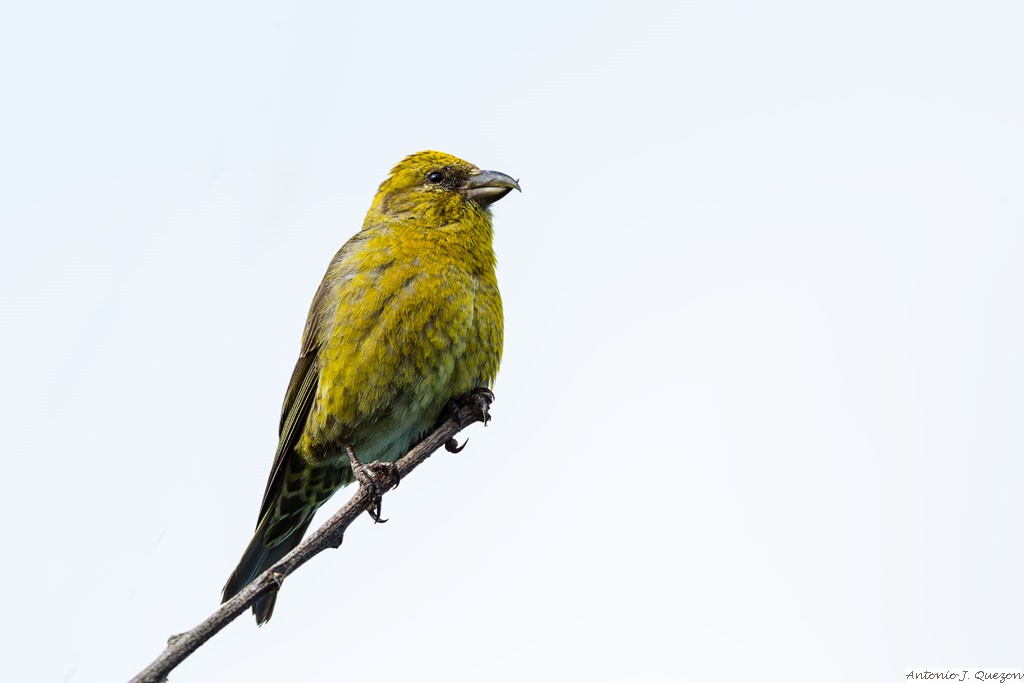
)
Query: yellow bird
[{"x": 407, "y": 318}]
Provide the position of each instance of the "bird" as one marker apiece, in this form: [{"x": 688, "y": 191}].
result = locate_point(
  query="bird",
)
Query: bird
[{"x": 407, "y": 319}]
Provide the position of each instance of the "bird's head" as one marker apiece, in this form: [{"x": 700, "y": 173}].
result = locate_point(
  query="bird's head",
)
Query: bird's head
[{"x": 439, "y": 188}]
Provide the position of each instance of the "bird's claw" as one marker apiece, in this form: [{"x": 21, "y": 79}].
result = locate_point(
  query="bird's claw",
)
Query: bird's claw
[
  {"x": 481, "y": 398},
  {"x": 376, "y": 477},
  {"x": 452, "y": 445}
]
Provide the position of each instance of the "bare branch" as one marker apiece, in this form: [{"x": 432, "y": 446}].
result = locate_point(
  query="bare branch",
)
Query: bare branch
[{"x": 327, "y": 536}]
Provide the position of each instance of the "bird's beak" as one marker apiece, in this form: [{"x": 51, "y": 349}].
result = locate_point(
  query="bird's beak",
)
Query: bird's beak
[{"x": 487, "y": 187}]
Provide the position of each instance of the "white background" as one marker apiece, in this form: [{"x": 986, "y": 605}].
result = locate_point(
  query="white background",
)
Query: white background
[{"x": 759, "y": 416}]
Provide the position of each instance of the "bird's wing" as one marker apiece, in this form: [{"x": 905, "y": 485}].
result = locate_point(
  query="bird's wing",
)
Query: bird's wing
[
  {"x": 298, "y": 401},
  {"x": 299, "y": 398},
  {"x": 302, "y": 388}
]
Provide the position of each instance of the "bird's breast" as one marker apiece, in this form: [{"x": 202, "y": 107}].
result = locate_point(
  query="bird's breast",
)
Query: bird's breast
[{"x": 404, "y": 340}]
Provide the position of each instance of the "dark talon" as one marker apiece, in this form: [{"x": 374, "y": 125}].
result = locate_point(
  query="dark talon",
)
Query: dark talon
[
  {"x": 375, "y": 514},
  {"x": 376, "y": 504},
  {"x": 452, "y": 445}
]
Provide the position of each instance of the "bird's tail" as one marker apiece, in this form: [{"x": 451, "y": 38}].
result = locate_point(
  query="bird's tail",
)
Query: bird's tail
[{"x": 257, "y": 558}]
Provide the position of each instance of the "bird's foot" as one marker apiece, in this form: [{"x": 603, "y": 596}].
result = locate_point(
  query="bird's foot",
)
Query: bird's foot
[
  {"x": 376, "y": 477},
  {"x": 481, "y": 398}
]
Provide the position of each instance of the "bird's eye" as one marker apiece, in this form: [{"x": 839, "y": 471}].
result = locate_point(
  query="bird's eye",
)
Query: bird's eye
[{"x": 435, "y": 176}]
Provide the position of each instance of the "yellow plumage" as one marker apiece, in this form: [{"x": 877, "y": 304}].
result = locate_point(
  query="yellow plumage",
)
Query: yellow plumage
[{"x": 407, "y": 318}]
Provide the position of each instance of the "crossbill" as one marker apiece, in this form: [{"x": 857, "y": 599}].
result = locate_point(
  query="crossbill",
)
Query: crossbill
[{"x": 408, "y": 317}]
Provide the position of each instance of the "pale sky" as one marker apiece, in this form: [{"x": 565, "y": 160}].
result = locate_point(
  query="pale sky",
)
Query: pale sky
[{"x": 759, "y": 414}]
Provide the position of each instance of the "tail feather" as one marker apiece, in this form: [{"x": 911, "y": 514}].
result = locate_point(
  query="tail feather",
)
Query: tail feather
[
  {"x": 256, "y": 559},
  {"x": 295, "y": 491}
]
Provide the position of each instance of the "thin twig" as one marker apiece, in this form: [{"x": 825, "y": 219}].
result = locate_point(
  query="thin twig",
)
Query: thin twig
[{"x": 327, "y": 536}]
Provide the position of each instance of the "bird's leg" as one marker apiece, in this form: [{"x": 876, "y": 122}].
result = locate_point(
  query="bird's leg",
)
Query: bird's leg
[{"x": 374, "y": 477}]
